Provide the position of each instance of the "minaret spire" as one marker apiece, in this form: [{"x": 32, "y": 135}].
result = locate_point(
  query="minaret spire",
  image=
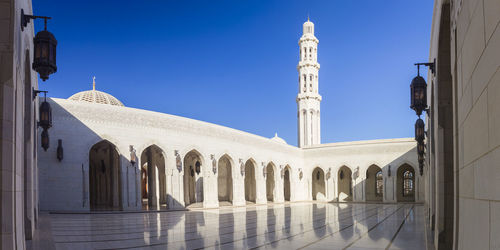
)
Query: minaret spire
[
  {"x": 308, "y": 98},
  {"x": 93, "y": 83}
]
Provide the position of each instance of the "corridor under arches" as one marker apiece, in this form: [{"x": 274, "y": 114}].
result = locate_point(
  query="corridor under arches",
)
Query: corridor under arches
[
  {"x": 104, "y": 177},
  {"x": 225, "y": 179},
  {"x": 344, "y": 184},
  {"x": 250, "y": 181},
  {"x": 193, "y": 178},
  {"x": 153, "y": 178},
  {"x": 318, "y": 184},
  {"x": 270, "y": 182},
  {"x": 374, "y": 184}
]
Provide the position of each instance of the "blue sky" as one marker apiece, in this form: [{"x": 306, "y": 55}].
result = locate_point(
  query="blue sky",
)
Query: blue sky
[{"x": 233, "y": 63}]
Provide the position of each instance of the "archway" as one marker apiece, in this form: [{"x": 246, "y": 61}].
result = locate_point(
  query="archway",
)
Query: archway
[
  {"x": 104, "y": 177},
  {"x": 193, "y": 177},
  {"x": 344, "y": 184},
  {"x": 286, "y": 183},
  {"x": 153, "y": 178},
  {"x": 405, "y": 183},
  {"x": 250, "y": 182},
  {"x": 374, "y": 184},
  {"x": 270, "y": 183},
  {"x": 318, "y": 184},
  {"x": 225, "y": 179}
]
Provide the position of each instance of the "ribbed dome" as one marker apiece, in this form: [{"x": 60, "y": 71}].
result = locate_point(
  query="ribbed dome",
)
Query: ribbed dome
[
  {"x": 278, "y": 139},
  {"x": 95, "y": 96}
]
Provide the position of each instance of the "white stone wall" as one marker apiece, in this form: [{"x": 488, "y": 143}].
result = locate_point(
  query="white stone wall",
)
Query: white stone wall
[
  {"x": 80, "y": 125},
  {"x": 474, "y": 55},
  {"x": 18, "y": 196}
]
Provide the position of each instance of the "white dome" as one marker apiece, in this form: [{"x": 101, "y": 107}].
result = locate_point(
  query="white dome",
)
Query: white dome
[
  {"x": 278, "y": 139},
  {"x": 95, "y": 96}
]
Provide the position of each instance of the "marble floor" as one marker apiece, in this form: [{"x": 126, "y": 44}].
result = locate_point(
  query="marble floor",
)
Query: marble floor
[{"x": 274, "y": 226}]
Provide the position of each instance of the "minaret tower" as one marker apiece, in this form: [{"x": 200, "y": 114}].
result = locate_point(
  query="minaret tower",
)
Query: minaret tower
[{"x": 308, "y": 99}]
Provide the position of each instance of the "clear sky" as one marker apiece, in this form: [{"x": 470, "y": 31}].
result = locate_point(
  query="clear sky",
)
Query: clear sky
[{"x": 233, "y": 63}]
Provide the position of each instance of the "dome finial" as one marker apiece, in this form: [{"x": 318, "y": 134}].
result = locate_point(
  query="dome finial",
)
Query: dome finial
[
  {"x": 308, "y": 16},
  {"x": 93, "y": 83}
]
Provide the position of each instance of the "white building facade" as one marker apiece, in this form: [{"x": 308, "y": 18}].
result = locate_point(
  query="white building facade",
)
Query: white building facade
[{"x": 121, "y": 158}]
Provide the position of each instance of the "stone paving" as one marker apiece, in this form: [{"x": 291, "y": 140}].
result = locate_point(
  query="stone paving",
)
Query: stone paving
[{"x": 275, "y": 226}]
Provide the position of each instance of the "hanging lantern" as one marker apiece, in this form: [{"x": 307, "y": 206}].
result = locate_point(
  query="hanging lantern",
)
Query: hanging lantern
[
  {"x": 60, "y": 151},
  {"x": 45, "y": 115},
  {"x": 341, "y": 175},
  {"x": 45, "y": 140},
  {"x": 418, "y": 88},
  {"x": 191, "y": 171},
  {"x": 264, "y": 170},
  {"x": 419, "y": 130},
  {"x": 198, "y": 169},
  {"x": 133, "y": 157},
  {"x": 44, "y": 61},
  {"x": 420, "y": 148},
  {"x": 178, "y": 161},
  {"x": 389, "y": 171},
  {"x": 301, "y": 174}
]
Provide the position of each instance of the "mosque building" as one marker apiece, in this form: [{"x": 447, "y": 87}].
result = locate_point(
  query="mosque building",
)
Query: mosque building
[{"x": 122, "y": 158}]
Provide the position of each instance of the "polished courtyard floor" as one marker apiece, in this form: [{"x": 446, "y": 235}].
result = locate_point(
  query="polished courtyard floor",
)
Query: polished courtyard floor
[{"x": 274, "y": 226}]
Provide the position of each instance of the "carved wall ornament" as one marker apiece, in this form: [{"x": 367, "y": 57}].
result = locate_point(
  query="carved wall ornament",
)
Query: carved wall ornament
[
  {"x": 214, "y": 163},
  {"x": 264, "y": 169},
  {"x": 178, "y": 160},
  {"x": 242, "y": 167}
]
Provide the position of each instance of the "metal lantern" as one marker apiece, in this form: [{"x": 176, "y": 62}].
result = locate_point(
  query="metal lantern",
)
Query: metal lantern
[
  {"x": 60, "y": 151},
  {"x": 45, "y": 140},
  {"x": 419, "y": 130},
  {"x": 133, "y": 157},
  {"x": 197, "y": 165},
  {"x": 341, "y": 175},
  {"x": 389, "y": 171},
  {"x": 44, "y": 61},
  {"x": 418, "y": 88},
  {"x": 420, "y": 148},
  {"x": 45, "y": 115}
]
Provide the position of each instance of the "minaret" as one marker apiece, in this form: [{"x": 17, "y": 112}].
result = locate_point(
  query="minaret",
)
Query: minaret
[{"x": 308, "y": 99}]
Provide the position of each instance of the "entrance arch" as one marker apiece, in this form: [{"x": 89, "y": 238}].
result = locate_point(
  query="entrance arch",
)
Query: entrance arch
[
  {"x": 405, "y": 183},
  {"x": 374, "y": 184},
  {"x": 318, "y": 184},
  {"x": 250, "y": 181},
  {"x": 225, "y": 179},
  {"x": 193, "y": 177},
  {"x": 104, "y": 177},
  {"x": 153, "y": 178},
  {"x": 344, "y": 184},
  {"x": 270, "y": 182},
  {"x": 286, "y": 183}
]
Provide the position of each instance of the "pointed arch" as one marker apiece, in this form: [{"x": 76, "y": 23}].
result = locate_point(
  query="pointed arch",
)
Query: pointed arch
[
  {"x": 344, "y": 183},
  {"x": 250, "y": 180},
  {"x": 287, "y": 182},
  {"x": 225, "y": 178},
  {"x": 318, "y": 184},
  {"x": 374, "y": 183},
  {"x": 104, "y": 177},
  {"x": 153, "y": 178},
  {"x": 193, "y": 177},
  {"x": 405, "y": 183},
  {"x": 271, "y": 181}
]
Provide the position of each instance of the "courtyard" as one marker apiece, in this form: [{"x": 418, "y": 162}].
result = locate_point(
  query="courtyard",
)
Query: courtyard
[{"x": 298, "y": 225}]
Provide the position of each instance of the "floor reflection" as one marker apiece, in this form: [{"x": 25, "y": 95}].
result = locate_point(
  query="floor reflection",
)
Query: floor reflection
[{"x": 280, "y": 226}]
